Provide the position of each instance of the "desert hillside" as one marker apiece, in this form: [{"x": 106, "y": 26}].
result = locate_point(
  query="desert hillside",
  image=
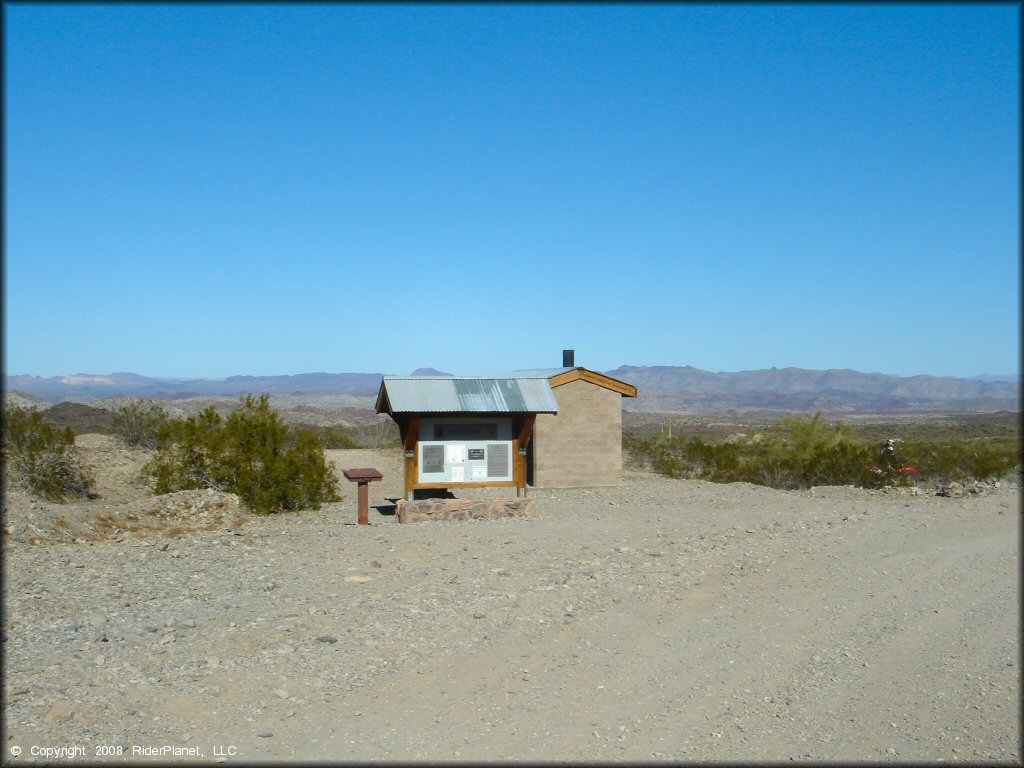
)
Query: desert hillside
[
  {"x": 665, "y": 388},
  {"x": 691, "y": 390}
]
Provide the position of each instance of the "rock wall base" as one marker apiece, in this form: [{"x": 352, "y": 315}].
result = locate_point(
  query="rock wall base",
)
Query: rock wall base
[{"x": 423, "y": 510}]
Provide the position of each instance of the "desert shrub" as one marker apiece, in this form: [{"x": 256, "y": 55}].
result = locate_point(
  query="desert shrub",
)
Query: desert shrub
[
  {"x": 958, "y": 459},
  {"x": 186, "y": 453},
  {"x": 800, "y": 453},
  {"x": 335, "y": 437},
  {"x": 380, "y": 433},
  {"x": 271, "y": 466},
  {"x": 43, "y": 457},
  {"x": 638, "y": 450},
  {"x": 139, "y": 423},
  {"x": 694, "y": 458},
  {"x": 806, "y": 451}
]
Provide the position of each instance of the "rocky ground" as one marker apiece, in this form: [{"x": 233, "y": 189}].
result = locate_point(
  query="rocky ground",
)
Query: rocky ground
[{"x": 659, "y": 620}]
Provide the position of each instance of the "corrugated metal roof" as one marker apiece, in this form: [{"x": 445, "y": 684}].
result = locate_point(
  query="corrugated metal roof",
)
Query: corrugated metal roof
[{"x": 503, "y": 394}]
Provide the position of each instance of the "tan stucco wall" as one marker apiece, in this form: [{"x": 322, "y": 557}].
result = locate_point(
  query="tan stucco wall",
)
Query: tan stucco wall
[{"x": 582, "y": 444}]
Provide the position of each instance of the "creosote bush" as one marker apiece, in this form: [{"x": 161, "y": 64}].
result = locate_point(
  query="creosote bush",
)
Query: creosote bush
[
  {"x": 43, "y": 457},
  {"x": 271, "y": 466},
  {"x": 807, "y": 451},
  {"x": 334, "y": 437},
  {"x": 959, "y": 459},
  {"x": 139, "y": 423},
  {"x": 382, "y": 433}
]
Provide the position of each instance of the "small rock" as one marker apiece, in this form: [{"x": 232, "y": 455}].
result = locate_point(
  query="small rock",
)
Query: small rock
[
  {"x": 265, "y": 734},
  {"x": 60, "y": 711},
  {"x": 331, "y": 639}
]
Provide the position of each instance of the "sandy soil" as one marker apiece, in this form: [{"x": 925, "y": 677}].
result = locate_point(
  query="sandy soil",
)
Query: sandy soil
[{"x": 660, "y": 620}]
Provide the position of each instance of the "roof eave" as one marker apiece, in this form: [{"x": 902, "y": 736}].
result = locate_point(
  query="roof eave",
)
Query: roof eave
[{"x": 600, "y": 379}]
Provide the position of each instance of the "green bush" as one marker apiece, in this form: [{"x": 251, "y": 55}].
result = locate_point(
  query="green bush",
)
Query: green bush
[
  {"x": 186, "y": 452},
  {"x": 799, "y": 453},
  {"x": 271, "y": 466},
  {"x": 958, "y": 459},
  {"x": 43, "y": 457},
  {"x": 139, "y": 424},
  {"x": 807, "y": 451},
  {"x": 804, "y": 452},
  {"x": 382, "y": 433},
  {"x": 334, "y": 437}
]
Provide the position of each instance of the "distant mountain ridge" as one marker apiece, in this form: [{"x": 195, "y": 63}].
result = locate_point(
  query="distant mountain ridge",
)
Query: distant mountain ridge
[
  {"x": 689, "y": 389},
  {"x": 1010, "y": 378},
  {"x": 661, "y": 389},
  {"x": 83, "y": 387}
]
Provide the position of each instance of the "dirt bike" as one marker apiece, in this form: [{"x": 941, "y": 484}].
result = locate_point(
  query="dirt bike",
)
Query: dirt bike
[{"x": 899, "y": 472}]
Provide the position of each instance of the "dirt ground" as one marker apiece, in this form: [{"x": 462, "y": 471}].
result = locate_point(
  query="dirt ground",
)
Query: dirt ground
[{"x": 659, "y": 620}]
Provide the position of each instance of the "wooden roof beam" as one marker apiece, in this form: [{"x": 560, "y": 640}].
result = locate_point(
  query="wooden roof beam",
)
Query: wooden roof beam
[{"x": 624, "y": 389}]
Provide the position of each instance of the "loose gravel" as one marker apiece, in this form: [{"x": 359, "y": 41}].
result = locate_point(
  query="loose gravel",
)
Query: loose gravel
[{"x": 659, "y": 620}]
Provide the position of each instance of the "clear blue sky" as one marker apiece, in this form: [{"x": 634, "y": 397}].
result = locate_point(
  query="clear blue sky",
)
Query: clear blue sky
[{"x": 208, "y": 190}]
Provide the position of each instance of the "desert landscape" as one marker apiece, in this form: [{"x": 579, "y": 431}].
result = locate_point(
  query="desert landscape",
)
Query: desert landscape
[
  {"x": 676, "y": 345},
  {"x": 658, "y": 620}
]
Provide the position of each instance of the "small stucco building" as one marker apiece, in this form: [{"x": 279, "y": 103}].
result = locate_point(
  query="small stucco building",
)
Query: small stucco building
[
  {"x": 547, "y": 428},
  {"x": 581, "y": 445}
]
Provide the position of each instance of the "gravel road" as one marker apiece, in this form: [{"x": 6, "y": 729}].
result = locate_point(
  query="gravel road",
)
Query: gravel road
[{"x": 660, "y": 620}]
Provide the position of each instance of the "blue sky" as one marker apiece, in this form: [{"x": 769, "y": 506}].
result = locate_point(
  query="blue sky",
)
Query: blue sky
[{"x": 208, "y": 190}]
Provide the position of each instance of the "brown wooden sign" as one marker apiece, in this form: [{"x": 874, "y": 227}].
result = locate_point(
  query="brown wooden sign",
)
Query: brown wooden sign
[{"x": 364, "y": 476}]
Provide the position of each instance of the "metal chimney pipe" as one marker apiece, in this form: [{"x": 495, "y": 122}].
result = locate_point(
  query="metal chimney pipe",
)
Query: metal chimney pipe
[{"x": 568, "y": 358}]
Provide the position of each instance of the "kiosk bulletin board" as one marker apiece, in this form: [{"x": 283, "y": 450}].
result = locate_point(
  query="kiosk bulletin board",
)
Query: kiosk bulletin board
[{"x": 465, "y": 450}]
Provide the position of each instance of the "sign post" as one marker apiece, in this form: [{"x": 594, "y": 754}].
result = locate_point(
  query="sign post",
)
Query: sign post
[{"x": 363, "y": 477}]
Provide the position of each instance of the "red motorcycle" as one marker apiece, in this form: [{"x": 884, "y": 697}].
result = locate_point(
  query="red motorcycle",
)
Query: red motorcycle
[{"x": 898, "y": 471}]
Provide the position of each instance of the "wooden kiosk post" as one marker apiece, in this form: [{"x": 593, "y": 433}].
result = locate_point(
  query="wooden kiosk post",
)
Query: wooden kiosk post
[{"x": 364, "y": 477}]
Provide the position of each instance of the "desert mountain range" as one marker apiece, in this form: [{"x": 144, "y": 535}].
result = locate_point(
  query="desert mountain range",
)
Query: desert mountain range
[
  {"x": 664, "y": 389},
  {"x": 687, "y": 389}
]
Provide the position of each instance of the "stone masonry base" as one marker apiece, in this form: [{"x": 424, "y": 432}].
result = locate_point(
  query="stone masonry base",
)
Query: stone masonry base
[{"x": 462, "y": 509}]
